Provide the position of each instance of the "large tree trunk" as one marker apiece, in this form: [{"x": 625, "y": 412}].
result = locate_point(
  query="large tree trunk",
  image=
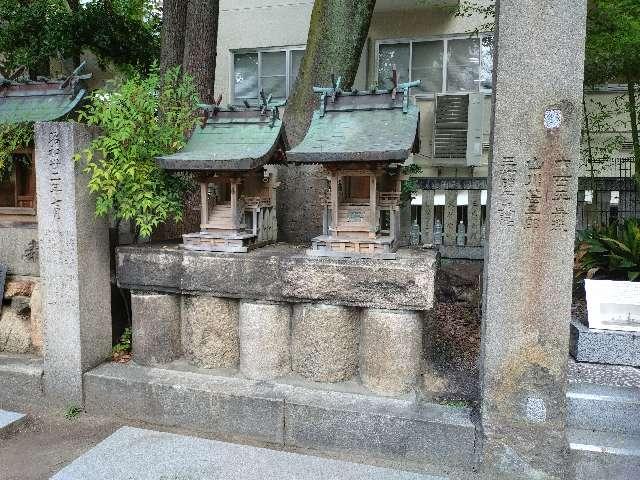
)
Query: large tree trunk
[
  {"x": 174, "y": 15},
  {"x": 633, "y": 115},
  {"x": 337, "y": 36},
  {"x": 200, "y": 45}
]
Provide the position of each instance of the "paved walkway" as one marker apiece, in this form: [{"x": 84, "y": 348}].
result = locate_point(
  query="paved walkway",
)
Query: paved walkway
[{"x": 138, "y": 454}]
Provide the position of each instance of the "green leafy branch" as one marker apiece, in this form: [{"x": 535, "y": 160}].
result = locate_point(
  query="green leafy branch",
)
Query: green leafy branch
[
  {"x": 13, "y": 137},
  {"x": 140, "y": 120}
]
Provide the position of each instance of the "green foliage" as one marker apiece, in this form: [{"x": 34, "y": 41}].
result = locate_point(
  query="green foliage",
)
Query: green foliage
[
  {"x": 32, "y": 32},
  {"x": 602, "y": 124},
  {"x": 613, "y": 41},
  {"x": 72, "y": 412},
  {"x": 124, "y": 345},
  {"x": 13, "y": 137},
  {"x": 483, "y": 9},
  {"x": 409, "y": 186},
  {"x": 610, "y": 252},
  {"x": 141, "y": 119}
]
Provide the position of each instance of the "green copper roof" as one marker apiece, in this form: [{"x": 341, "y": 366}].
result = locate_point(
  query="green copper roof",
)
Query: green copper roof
[
  {"x": 230, "y": 140},
  {"x": 365, "y": 127},
  {"x": 37, "y": 102}
]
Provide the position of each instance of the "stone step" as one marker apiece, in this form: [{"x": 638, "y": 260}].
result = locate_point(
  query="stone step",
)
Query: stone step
[
  {"x": 604, "y": 408},
  {"x": 21, "y": 381},
  {"x": 288, "y": 414},
  {"x": 156, "y": 455},
  {"x": 605, "y": 456}
]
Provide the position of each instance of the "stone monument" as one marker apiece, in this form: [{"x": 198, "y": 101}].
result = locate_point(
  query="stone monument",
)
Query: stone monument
[
  {"x": 74, "y": 263},
  {"x": 528, "y": 264}
]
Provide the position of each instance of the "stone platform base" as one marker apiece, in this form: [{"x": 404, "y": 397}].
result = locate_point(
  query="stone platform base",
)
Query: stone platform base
[
  {"x": 326, "y": 246},
  {"x": 604, "y": 346},
  {"x": 286, "y": 414},
  {"x": 211, "y": 242}
]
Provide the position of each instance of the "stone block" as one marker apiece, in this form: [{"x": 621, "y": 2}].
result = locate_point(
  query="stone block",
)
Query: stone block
[
  {"x": 234, "y": 408},
  {"x": 529, "y": 255},
  {"x": 264, "y": 340},
  {"x": 391, "y": 350},
  {"x": 155, "y": 328},
  {"x": 21, "y": 381},
  {"x": 324, "y": 342},
  {"x": 15, "y": 331},
  {"x": 283, "y": 273},
  {"x": 74, "y": 262},
  {"x": 377, "y": 427},
  {"x": 604, "y": 346},
  {"x": 210, "y": 331},
  {"x": 368, "y": 427},
  {"x": 603, "y": 408},
  {"x": 604, "y": 455},
  {"x": 407, "y": 283}
]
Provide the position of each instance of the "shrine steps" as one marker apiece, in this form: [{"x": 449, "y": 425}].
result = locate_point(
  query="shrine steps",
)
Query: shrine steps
[
  {"x": 603, "y": 414},
  {"x": 345, "y": 247},
  {"x": 222, "y": 241},
  {"x": 604, "y": 455}
]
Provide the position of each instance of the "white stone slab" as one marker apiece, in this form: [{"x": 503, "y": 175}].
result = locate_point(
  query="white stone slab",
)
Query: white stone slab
[
  {"x": 144, "y": 454},
  {"x": 10, "y": 420}
]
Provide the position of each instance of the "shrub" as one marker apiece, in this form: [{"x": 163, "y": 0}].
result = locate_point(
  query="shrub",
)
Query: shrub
[
  {"x": 141, "y": 119},
  {"x": 611, "y": 253}
]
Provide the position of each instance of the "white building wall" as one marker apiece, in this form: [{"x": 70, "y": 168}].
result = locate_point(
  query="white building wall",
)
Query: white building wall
[
  {"x": 259, "y": 24},
  {"x": 248, "y": 24}
]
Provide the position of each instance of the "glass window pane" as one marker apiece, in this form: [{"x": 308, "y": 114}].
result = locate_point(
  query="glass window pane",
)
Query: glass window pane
[
  {"x": 296, "y": 61},
  {"x": 275, "y": 86},
  {"x": 486, "y": 70},
  {"x": 426, "y": 65},
  {"x": 245, "y": 70},
  {"x": 274, "y": 63},
  {"x": 390, "y": 55},
  {"x": 463, "y": 70}
]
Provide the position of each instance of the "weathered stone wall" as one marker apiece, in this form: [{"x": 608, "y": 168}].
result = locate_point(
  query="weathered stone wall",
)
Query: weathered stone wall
[
  {"x": 21, "y": 316},
  {"x": 19, "y": 249}
]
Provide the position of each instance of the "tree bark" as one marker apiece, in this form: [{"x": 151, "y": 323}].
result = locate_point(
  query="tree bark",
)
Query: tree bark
[
  {"x": 337, "y": 35},
  {"x": 200, "y": 45},
  {"x": 174, "y": 15},
  {"x": 633, "y": 115}
]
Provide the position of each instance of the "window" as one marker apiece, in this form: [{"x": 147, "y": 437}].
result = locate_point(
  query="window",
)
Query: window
[
  {"x": 447, "y": 65},
  {"x": 275, "y": 71},
  {"x": 18, "y": 186}
]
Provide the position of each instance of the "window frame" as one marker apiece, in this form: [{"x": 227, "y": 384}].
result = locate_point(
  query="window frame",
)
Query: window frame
[
  {"x": 287, "y": 50},
  {"x": 445, "y": 58},
  {"x": 10, "y": 212}
]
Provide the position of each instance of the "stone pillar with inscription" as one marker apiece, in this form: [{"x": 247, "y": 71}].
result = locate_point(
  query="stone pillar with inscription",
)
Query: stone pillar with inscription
[
  {"x": 74, "y": 264},
  {"x": 528, "y": 265}
]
